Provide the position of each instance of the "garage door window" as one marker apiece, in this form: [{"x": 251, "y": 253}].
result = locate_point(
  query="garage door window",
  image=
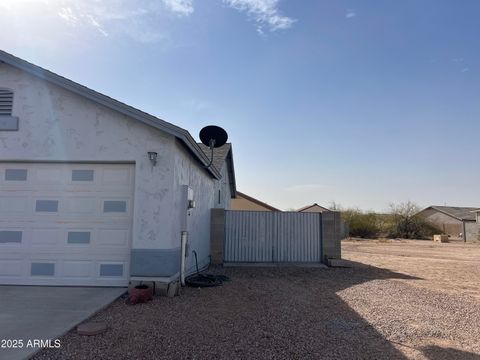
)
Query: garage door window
[
  {"x": 42, "y": 269},
  {"x": 111, "y": 270},
  {"x": 46, "y": 206},
  {"x": 82, "y": 175},
  {"x": 16, "y": 174},
  {"x": 114, "y": 206},
  {"x": 9, "y": 236},
  {"x": 78, "y": 237}
]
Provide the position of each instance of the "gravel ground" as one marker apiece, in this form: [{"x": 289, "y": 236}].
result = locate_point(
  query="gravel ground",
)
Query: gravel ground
[{"x": 289, "y": 313}]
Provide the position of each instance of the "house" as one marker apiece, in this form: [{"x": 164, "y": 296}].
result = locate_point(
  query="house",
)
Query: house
[
  {"x": 96, "y": 192},
  {"x": 313, "y": 208},
  {"x": 457, "y": 222},
  {"x": 245, "y": 202}
]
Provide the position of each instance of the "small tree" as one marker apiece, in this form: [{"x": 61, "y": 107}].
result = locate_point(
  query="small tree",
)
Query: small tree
[{"x": 406, "y": 224}]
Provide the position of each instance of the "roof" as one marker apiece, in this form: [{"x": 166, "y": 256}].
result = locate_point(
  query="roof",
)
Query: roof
[
  {"x": 182, "y": 134},
  {"x": 310, "y": 206},
  {"x": 258, "y": 202},
  {"x": 459, "y": 213},
  {"x": 219, "y": 154},
  {"x": 222, "y": 155}
]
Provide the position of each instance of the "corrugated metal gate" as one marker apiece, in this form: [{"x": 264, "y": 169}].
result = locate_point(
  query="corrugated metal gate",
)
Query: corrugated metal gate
[{"x": 261, "y": 236}]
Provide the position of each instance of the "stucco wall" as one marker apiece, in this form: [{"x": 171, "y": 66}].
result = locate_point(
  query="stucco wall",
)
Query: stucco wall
[
  {"x": 197, "y": 219},
  {"x": 57, "y": 125},
  {"x": 240, "y": 203}
]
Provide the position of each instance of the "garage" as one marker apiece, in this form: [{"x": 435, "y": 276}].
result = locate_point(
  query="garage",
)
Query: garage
[{"x": 65, "y": 223}]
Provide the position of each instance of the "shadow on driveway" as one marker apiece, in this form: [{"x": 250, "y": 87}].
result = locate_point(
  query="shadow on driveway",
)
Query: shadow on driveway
[{"x": 263, "y": 313}]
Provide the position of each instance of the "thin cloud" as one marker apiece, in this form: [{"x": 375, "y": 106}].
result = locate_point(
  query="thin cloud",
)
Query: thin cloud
[
  {"x": 180, "y": 7},
  {"x": 465, "y": 69},
  {"x": 350, "y": 14},
  {"x": 263, "y": 12}
]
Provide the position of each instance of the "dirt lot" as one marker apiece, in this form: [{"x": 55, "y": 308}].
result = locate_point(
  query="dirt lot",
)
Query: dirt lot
[{"x": 418, "y": 300}]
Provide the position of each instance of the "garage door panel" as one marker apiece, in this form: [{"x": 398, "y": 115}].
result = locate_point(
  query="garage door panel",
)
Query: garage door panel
[
  {"x": 80, "y": 205},
  {"x": 78, "y": 269},
  {"x": 65, "y": 224},
  {"x": 12, "y": 267},
  {"x": 13, "y": 204},
  {"x": 113, "y": 237},
  {"x": 45, "y": 237}
]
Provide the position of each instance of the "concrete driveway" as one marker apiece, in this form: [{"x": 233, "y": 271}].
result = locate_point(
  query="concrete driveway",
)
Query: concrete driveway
[{"x": 43, "y": 312}]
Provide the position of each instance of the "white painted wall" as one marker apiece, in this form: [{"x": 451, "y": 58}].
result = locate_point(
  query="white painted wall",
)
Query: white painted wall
[
  {"x": 198, "y": 219},
  {"x": 57, "y": 125}
]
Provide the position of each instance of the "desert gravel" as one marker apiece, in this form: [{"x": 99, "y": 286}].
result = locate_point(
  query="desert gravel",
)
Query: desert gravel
[{"x": 362, "y": 312}]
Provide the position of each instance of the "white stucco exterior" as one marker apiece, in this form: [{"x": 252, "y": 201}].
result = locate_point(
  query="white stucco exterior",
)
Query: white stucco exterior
[{"x": 56, "y": 125}]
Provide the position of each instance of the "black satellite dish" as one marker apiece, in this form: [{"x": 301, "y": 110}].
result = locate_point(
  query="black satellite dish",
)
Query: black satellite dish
[{"x": 213, "y": 137}]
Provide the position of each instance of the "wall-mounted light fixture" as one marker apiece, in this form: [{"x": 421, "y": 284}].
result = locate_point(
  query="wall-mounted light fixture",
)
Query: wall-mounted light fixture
[{"x": 152, "y": 156}]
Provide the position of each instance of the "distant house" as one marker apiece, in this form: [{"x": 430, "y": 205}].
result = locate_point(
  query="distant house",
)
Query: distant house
[
  {"x": 458, "y": 222},
  {"x": 245, "y": 202},
  {"x": 313, "y": 208}
]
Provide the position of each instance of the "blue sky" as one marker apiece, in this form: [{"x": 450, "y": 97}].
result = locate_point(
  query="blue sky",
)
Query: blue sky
[{"x": 358, "y": 102}]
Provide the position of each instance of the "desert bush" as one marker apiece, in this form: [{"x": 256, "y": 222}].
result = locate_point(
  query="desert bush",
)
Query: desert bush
[
  {"x": 361, "y": 224},
  {"x": 406, "y": 224},
  {"x": 401, "y": 222}
]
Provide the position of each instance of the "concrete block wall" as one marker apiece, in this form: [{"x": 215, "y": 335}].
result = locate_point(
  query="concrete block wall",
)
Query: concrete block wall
[
  {"x": 472, "y": 231},
  {"x": 331, "y": 235},
  {"x": 217, "y": 236}
]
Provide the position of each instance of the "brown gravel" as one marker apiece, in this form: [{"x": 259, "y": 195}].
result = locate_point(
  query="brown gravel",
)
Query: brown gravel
[{"x": 290, "y": 313}]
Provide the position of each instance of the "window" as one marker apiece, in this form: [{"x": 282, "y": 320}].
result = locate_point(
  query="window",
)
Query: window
[
  {"x": 78, "y": 237},
  {"x": 82, "y": 175},
  {"x": 111, "y": 270},
  {"x": 115, "y": 206},
  {"x": 6, "y": 102},
  {"x": 16, "y": 174},
  {"x": 46, "y": 206},
  {"x": 42, "y": 269},
  {"x": 9, "y": 236}
]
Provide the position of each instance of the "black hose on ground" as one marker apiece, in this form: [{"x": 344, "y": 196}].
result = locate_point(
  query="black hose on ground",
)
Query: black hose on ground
[{"x": 204, "y": 280}]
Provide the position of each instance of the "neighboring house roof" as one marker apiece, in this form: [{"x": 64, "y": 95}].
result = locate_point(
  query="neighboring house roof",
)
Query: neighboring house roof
[
  {"x": 459, "y": 213},
  {"x": 321, "y": 208},
  {"x": 256, "y": 201},
  {"x": 113, "y": 104},
  {"x": 223, "y": 155}
]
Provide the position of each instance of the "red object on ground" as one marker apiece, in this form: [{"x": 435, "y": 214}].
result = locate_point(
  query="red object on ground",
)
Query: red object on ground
[{"x": 140, "y": 294}]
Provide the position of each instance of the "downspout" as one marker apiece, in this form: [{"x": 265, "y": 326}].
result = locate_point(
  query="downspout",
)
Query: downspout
[
  {"x": 464, "y": 232},
  {"x": 183, "y": 255}
]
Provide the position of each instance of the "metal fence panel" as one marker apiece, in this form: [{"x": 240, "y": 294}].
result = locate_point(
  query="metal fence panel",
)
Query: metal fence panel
[
  {"x": 298, "y": 237},
  {"x": 259, "y": 236},
  {"x": 246, "y": 237}
]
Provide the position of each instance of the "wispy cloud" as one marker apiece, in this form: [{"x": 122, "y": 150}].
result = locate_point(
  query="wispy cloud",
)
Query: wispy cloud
[
  {"x": 350, "y": 14},
  {"x": 180, "y": 7},
  {"x": 263, "y": 12},
  {"x": 465, "y": 69},
  {"x": 144, "y": 21}
]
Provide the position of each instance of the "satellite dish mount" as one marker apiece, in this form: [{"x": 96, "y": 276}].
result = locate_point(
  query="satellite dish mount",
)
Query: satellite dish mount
[{"x": 213, "y": 137}]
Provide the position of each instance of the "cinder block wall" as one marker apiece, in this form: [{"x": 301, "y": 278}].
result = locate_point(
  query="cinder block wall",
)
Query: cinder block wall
[
  {"x": 217, "y": 236},
  {"x": 331, "y": 234},
  {"x": 472, "y": 231}
]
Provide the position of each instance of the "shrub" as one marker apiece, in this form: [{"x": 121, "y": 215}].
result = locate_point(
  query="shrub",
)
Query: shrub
[{"x": 360, "y": 224}]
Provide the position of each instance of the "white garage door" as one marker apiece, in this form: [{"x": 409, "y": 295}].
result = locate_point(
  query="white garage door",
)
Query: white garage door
[{"x": 65, "y": 224}]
